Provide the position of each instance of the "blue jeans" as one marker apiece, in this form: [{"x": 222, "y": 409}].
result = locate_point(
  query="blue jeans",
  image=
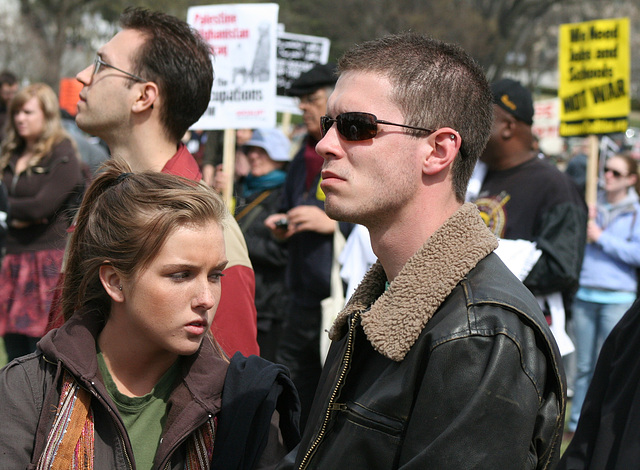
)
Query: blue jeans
[{"x": 592, "y": 323}]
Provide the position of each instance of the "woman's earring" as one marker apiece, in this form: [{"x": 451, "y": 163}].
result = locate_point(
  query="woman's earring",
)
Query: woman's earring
[{"x": 120, "y": 287}]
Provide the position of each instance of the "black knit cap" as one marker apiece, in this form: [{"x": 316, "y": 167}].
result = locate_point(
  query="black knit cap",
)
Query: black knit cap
[
  {"x": 515, "y": 99},
  {"x": 320, "y": 76}
]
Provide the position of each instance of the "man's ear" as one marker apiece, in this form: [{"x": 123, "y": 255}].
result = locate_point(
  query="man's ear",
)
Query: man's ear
[
  {"x": 444, "y": 146},
  {"x": 147, "y": 98},
  {"x": 507, "y": 127},
  {"x": 112, "y": 282}
]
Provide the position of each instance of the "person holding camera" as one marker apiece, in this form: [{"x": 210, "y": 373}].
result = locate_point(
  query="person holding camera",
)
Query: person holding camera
[{"x": 259, "y": 196}]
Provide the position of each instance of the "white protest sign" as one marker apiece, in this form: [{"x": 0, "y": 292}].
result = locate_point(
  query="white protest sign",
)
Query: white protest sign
[
  {"x": 296, "y": 54},
  {"x": 243, "y": 40},
  {"x": 546, "y": 125}
]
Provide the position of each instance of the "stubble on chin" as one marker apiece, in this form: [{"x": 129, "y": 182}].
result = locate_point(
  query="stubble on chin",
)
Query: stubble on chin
[
  {"x": 85, "y": 123},
  {"x": 338, "y": 212},
  {"x": 332, "y": 209}
]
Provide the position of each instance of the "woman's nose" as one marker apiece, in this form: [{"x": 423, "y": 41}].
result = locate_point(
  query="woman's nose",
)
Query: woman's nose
[{"x": 205, "y": 297}]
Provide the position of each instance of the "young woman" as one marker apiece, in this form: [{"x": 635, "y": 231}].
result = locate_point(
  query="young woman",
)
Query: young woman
[
  {"x": 133, "y": 378},
  {"x": 42, "y": 174},
  {"x": 608, "y": 280}
]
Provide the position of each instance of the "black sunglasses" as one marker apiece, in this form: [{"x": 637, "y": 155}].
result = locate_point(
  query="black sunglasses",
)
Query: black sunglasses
[
  {"x": 615, "y": 173},
  {"x": 359, "y": 126}
]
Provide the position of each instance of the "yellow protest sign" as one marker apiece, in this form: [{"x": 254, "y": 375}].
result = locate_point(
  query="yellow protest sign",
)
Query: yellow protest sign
[{"x": 594, "y": 68}]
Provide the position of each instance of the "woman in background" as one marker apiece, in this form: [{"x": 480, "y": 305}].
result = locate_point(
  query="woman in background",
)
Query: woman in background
[
  {"x": 42, "y": 174},
  {"x": 133, "y": 378},
  {"x": 258, "y": 196},
  {"x": 608, "y": 280}
]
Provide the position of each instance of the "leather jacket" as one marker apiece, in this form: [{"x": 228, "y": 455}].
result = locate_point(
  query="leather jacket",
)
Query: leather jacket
[{"x": 451, "y": 367}]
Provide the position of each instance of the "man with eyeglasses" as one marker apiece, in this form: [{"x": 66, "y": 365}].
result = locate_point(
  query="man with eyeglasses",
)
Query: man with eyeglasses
[
  {"x": 146, "y": 86},
  {"x": 441, "y": 359},
  {"x": 309, "y": 234}
]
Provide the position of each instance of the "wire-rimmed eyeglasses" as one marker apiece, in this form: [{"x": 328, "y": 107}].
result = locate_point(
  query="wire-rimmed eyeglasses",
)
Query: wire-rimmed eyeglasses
[{"x": 98, "y": 62}]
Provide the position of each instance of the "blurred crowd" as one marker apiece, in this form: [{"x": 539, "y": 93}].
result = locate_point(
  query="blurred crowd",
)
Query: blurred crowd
[
  {"x": 580, "y": 261},
  {"x": 276, "y": 176}
]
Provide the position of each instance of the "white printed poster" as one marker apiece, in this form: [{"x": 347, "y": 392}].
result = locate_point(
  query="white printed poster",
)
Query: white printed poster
[
  {"x": 243, "y": 39},
  {"x": 296, "y": 54},
  {"x": 546, "y": 125}
]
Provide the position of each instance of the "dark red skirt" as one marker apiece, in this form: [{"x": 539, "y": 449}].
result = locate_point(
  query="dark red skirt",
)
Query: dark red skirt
[{"x": 27, "y": 284}]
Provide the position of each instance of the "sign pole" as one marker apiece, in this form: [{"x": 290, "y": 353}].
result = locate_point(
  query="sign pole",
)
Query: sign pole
[
  {"x": 591, "y": 189},
  {"x": 228, "y": 165},
  {"x": 286, "y": 123}
]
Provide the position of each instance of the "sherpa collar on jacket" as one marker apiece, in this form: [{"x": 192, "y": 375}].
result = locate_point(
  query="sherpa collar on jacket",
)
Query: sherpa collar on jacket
[{"x": 398, "y": 316}]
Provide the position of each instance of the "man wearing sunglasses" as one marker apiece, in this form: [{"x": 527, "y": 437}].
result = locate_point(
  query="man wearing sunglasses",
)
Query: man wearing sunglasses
[
  {"x": 441, "y": 359},
  {"x": 146, "y": 86}
]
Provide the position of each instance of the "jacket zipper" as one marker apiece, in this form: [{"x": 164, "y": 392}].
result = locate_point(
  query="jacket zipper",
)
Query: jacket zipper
[
  {"x": 120, "y": 435},
  {"x": 167, "y": 458},
  {"x": 332, "y": 405},
  {"x": 104, "y": 403},
  {"x": 124, "y": 447}
]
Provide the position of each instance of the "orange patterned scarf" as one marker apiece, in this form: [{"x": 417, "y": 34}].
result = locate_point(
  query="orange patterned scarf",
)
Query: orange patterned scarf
[{"x": 71, "y": 438}]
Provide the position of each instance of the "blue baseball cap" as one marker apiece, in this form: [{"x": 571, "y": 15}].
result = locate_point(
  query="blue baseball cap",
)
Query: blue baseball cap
[{"x": 273, "y": 141}]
